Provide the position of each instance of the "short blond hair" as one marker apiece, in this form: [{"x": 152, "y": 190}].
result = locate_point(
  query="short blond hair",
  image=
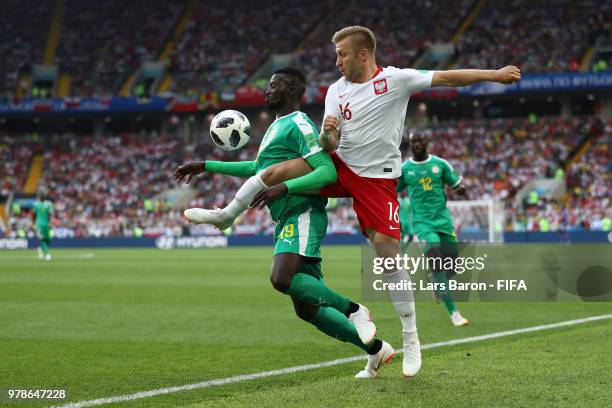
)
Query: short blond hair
[{"x": 364, "y": 37}]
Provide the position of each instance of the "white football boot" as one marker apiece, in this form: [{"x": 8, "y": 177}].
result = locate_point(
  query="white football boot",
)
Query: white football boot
[
  {"x": 412, "y": 354},
  {"x": 362, "y": 321},
  {"x": 458, "y": 320},
  {"x": 48, "y": 257},
  {"x": 41, "y": 254},
  {"x": 214, "y": 217},
  {"x": 375, "y": 362}
]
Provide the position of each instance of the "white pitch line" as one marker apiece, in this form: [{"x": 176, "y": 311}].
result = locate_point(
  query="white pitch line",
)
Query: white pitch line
[
  {"x": 307, "y": 367},
  {"x": 61, "y": 257}
]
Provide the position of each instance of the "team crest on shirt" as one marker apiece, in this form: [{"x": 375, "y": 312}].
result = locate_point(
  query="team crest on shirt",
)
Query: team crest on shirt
[
  {"x": 435, "y": 169},
  {"x": 380, "y": 86}
]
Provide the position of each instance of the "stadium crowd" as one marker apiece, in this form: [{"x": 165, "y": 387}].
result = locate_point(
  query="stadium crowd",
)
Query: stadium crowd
[
  {"x": 544, "y": 36},
  {"x": 22, "y": 42},
  {"x": 102, "y": 42},
  {"x": 114, "y": 185},
  {"x": 225, "y": 43},
  {"x": 404, "y": 30},
  {"x": 15, "y": 155}
]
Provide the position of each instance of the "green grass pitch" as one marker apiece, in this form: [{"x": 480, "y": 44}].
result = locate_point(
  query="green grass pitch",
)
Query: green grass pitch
[{"x": 101, "y": 323}]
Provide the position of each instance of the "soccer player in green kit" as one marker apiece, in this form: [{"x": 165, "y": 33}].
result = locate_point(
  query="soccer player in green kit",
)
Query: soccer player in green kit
[
  {"x": 425, "y": 176},
  {"x": 301, "y": 219},
  {"x": 43, "y": 208}
]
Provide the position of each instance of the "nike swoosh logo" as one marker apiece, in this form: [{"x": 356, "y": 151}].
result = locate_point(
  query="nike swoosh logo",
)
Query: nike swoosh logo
[
  {"x": 393, "y": 228},
  {"x": 288, "y": 241}
]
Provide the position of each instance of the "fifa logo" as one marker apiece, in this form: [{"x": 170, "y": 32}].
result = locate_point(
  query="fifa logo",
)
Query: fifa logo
[{"x": 380, "y": 86}]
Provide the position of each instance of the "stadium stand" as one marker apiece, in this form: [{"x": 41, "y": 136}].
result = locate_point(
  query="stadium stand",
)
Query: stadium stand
[
  {"x": 107, "y": 186},
  {"x": 545, "y": 36},
  {"x": 22, "y": 41},
  {"x": 404, "y": 29},
  {"x": 15, "y": 155},
  {"x": 222, "y": 46},
  {"x": 590, "y": 185},
  {"x": 103, "y": 42},
  {"x": 127, "y": 34}
]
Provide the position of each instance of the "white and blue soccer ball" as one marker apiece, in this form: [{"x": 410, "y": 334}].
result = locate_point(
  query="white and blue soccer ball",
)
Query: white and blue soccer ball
[{"x": 230, "y": 129}]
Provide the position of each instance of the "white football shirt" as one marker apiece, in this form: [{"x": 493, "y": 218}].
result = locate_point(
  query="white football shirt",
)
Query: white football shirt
[{"x": 372, "y": 118}]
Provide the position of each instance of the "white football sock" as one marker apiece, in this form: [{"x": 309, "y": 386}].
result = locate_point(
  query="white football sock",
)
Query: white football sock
[
  {"x": 244, "y": 196},
  {"x": 403, "y": 300}
]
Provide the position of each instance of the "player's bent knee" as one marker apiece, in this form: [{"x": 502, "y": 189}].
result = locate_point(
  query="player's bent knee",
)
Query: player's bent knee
[
  {"x": 306, "y": 312},
  {"x": 280, "y": 282}
]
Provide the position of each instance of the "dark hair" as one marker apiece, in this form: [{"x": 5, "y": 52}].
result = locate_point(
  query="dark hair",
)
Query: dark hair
[{"x": 294, "y": 72}]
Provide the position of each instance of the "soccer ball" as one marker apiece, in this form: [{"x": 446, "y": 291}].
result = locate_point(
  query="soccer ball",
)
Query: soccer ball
[{"x": 230, "y": 130}]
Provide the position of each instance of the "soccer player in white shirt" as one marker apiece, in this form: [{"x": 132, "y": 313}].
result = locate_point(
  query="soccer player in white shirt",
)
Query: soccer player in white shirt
[{"x": 362, "y": 128}]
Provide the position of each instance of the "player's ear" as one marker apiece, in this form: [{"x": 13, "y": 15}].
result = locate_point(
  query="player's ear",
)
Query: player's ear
[
  {"x": 294, "y": 89},
  {"x": 363, "y": 54}
]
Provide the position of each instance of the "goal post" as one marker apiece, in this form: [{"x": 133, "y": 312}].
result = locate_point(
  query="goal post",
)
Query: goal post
[{"x": 478, "y": 220}]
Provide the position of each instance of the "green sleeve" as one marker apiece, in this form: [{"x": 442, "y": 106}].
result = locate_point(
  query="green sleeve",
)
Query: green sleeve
[
  {"x": 304, "y": 137},
  {"x": 401, "y": 183},
  {"x": 240, "y": 169},
  {"x": 450, "y": 176},
  {"x": 323, "y": 173}
]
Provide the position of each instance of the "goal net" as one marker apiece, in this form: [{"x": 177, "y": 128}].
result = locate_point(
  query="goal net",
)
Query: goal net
[{"x": 478, "y": 220}]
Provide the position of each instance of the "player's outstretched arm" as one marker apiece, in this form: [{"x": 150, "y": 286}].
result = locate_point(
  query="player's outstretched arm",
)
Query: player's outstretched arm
[
  {"x": 323, "y": 173},
  {"x": 188, "y": 170},
  {"x": 464, "y": 77}
]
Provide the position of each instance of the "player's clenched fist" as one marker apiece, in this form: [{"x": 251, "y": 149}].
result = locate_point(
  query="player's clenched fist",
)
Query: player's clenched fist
[
  {"x": 331, "y": 124},
  {"x": 508, "y": 74},
  {"x": 188, "y": 170}
]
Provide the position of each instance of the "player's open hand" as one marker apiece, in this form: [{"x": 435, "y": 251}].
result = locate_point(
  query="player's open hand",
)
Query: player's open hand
[
  {"x": 268, "y": 194},
  {"x": 188, "y": 170},
  {"x": 508, "y": 75}
]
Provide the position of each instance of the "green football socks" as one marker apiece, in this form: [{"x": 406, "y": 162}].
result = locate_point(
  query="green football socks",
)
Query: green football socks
[
  {"x": 313, "y": 291},
  {"x": 337, "y": 325},
  {"x": 444, "y": 295},
  {"x": 44, "y": 246}
]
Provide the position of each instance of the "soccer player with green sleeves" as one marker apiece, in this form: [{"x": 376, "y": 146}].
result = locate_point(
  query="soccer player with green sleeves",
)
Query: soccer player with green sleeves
[
  {"x": 301, "y": 220},
  {"x": 425, "y": 176},
  {"x": 42, "y": 216}
]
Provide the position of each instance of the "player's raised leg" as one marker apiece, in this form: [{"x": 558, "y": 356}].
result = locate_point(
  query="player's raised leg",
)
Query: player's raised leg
[{"x": 223, "y": 218}]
